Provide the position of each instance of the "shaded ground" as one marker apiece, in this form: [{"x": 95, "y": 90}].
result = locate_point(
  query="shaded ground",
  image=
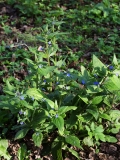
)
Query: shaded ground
[{"x": 107, "y": 151}]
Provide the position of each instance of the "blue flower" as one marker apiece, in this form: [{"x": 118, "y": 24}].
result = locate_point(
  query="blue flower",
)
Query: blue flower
[
  {"x": 57, "y": 83},
  {"x": 21, "y": 123},
  {"x": 29, "y": 71},
  {"x": 50, "y": 43},
  {"x": 21, "y": 112},
  {"x": 68, "y": 75},
  {"x": 111, "y": 67},
  {"x": 33, "y": 98},
  {"x": 96, "y": 83},
  {"x": 22, "y": 97},
  {"x": 83, "y": 82},
  {"x": 40, "y": 66},
  {"x": 37, "y": 133},
  {"x": 44, "y": 80},
  {"x": 43, "y": 99},
  {"x": 56, "y": 115},
  {"x": 40, "y": 48},
  {"x": 43, "y": 89},
  {"x": 95, "y": 75}
]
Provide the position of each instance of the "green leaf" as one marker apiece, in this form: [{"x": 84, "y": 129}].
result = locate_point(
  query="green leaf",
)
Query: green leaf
[
  {"x": 94, "y": 111},
  {"x": 74, "y": 153},
  {"x": 115, "y": 130},
  {"x": 85, "y": 73},
  {"x": 47, "y": 70},
  {"x": 88, "y": 141},
  {"x": 99, "y": 129},
  {"x": 25, "y": 104},
  {"x": 97, "y": 99},
  {"x": 37, "y": 138},
  {"x": 59, "y": 154},
  {"x": 65, "y": 109},
  {"x": 56, "y": 148},
  {"x": 73, "y": 140},
  {"x": 116, "y": 81},
  {"x": 113, "y": 84},
  {"x": 59, "y": 123},
  {"x": 105, "y": 116},
  {"x": 93, "y": 89},
  {"x": 50, "y": 103},
  {"x": 21, "y": 134},
  {"x": 114, "y": 114},
  {"x": 110, "y": 139},
  {"x": 100, "y": 136},
  {"x": 9, "y": 86},
  {"x": 98, "y": 65},
  {"x": 4, "y": 153},
  {"x": 4, "y": 143},
  {"x": 107, "y": 101},
  {"x": 3, "y": 149},
  {"x": 115, "y": 62},
  {"x": 22, "y": 152},
  {"x": 35, "y": 93},
  {"x": 84, "y": 98}
]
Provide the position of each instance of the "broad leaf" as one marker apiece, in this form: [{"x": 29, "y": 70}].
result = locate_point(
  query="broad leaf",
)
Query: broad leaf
[
  {"x": 37, "y": 138},
  {"x": 22, "y": 152},
  {"x": 73, "y": 152},
  {"x": 25, "y": 104},
  {"x": 88, "y": 141},
  {"x": 97, "y": 99},
  {"x": 50, "y": 103},
  {"x": 21, "y": 134},
  {"x": 98, "y": 65},
  {"x": 113, "y": 84},
  {"x": 73, "y": 140},
  {"x": 115, "y": 130},
  {"x": 105, "y": 116},
  {"x": 3, "y": 149},
  {"x": 100, "y": 136},
  {"x": 47, "y": 70},
  {"x": 84, "y": 98},
  {"x": 115, "y": 62},
  {"x": 110, "y": 139},
  {"x": 93, "y": 111},
  {"x": 35, "y": 93},
  {"x": 59, "y": 123},
  {"x": 65, "y": 109},
  {"x": 4, "y": 153}
]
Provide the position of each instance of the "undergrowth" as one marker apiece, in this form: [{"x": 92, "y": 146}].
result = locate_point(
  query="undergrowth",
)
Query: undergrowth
[{"x": 49, "y": 91}]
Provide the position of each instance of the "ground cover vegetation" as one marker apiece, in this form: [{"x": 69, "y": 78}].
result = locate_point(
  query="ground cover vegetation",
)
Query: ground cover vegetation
[{"x": 59, "y": 78}]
